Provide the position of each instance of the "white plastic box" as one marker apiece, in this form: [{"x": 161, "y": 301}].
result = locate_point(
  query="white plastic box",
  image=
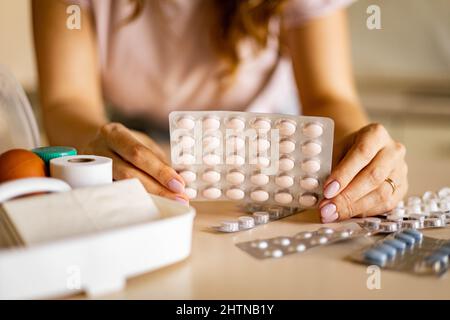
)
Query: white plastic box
[{"x": 97, "y": 263}]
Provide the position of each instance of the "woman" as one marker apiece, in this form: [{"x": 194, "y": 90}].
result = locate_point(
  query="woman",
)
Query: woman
[{"x": 148, "y": 58}]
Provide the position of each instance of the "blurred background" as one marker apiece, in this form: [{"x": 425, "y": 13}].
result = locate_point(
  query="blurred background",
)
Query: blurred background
[{"x": 402, "y": 72}]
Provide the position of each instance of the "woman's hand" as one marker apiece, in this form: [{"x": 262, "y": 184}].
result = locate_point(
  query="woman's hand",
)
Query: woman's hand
[
  {"x": 135, "y": 155},
  {"x": 368, "y": 161}
]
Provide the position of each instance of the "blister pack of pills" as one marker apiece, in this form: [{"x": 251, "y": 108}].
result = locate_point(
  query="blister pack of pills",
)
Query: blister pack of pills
[
  {"x": 407, "y": 251},
  {"x": 301, "y": 242},
  {"x": 264, "y": 159},
  {"x": 432, "y": 210}
]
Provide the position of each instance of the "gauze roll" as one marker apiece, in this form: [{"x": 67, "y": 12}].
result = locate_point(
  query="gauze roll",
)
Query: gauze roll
[{"x": 82, "y": 170}]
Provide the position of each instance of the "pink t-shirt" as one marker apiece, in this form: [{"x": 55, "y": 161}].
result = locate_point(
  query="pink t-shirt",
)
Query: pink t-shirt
[{"x": 163, "y": 60}]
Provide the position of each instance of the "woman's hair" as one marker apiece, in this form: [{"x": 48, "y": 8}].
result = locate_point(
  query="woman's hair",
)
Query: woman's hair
[{"x": 235, "y": 20}]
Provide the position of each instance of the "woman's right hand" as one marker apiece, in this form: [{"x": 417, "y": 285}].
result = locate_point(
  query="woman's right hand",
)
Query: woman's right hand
[{"x": 136, "y": 155}]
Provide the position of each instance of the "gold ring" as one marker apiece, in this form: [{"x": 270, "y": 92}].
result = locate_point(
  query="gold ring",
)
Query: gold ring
[{"x": 392, "y": 183}]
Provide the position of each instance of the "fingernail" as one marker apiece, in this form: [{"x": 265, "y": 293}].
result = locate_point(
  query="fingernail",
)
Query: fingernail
[
  {"x": 328, "y": 211},
  {"x": 182, "y": 201},
  {"x": 175, "y": 186},
  {"x": 332, "y": 189},
  {"x": 333, "y": 218}
]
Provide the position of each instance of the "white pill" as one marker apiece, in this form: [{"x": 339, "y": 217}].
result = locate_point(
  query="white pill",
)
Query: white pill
[
  {"x": 260, "y": 179},
  {"x": 235, "y": 177},
  {"x": 283, "y": 198},
  {"x": 287, "y": 128},
  {"x": 236, "y": 124},
  {"x": 235, "y": 160},
  {"x": 444, "y": 192},
  {"x": 414, "y": 201},
  {"x": 186, "y": 123},
  {"x": 263, "y": 145},
  {"x": 235, "y": 194},
  {"x": 210, "y": 143},
  {"x": 235, "y": 143},
  {"x": 313, "y": 130},
  {"x": 262, "y": 162},
  {"x": 246, "y": 222},
  {"x": 262, "y": 124},
  {"x": 311, "y": 166},
  {"x": 311, "y": 149},
  {"x": 309, "y": 183},
  {"x": 307, "y": 200},
  {"x": 277, "y": 253},
  {"x": 286, "y": 164},
  {"x": 229, "y": 226},
  {"x": 211, "y": 159},
  {"x": 186, "y": 159},
  {"x": 187, "y": 142},
  {"x": 261, "y": 217},
  {"x": 259, "y": 196},
  {"x": 262, "y": 244},
  {"x": 212, "y": 193},
  {"x": 284, "y": 181},
  {"x": 188, "y": 176},
  {"x": 287, "y": 146},
  {"x": 300, "y": 247},
  {"x": 191, "y": 193},
  {"x": 211, "y": 176},
  {"x": 211, "y": 124}
]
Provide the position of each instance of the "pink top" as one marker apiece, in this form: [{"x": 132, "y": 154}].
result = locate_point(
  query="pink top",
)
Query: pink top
[{"x": 162, "y": 61}]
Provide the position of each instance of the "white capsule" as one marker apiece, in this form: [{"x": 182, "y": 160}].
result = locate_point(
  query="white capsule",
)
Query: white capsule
[
  {"x": 186, "y": 159},
  {"x": 283, "y": 198},
  {"x": 313, "y": 130},
  {"x": 235, "y": 177},
  {"x": 186, "y": 123},
  {"x": 236, "y": 124},
  {"x": 235, "y": 160},
  {"x": 286, "y": 164},
  {"x": 235, "y": 194},
  {"x": 210, "y": 143},
  {"x": 262, "y": 162},
  {"x": 188, "y": 176},
  {"x": 311, "y": 166},
  {"x": 287, "y": 146},
  {"x": 287, "y": 128},
  {"x": 263, "y": 145},
  {"x": 212, "y": 193},
  {"x": 259, "y": 196},
  {"x": 261, "y": 217},
  {"x": 211, "y": 124},
  {"x": 309, "y": 183},
  {"x": 259, "y": 179},
  {"x": 262, "y": 124},
  {"x": 235, "y": 144},
  {"x": 284, "y": 181},
  {"x": 191, "y": 193},
  {"x": 307, "y": 200},
  {"x": 211, "y": 159},
  {"x": 211, "y": 176},
  {"x": 311, "y": 149}
]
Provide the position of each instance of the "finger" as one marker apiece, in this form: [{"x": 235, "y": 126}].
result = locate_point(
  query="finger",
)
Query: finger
[
  {"x": 367, "y": 144},
  {"x": 123, "y": 170},
  {"x": 122, "y": 141},
  {"x": 373, "y": 175},
  {"x": 145, "y": 139}
]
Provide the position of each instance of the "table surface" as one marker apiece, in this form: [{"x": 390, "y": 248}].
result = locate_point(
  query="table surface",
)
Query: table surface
[{"x": 217, "y": 269}]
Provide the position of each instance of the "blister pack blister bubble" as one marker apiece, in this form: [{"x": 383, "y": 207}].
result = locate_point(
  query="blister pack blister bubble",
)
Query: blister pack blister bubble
[
  {"x": 407, "y": 251},
  {"x": 282, "y": 246},
  {"x": 263, "y": 159}
]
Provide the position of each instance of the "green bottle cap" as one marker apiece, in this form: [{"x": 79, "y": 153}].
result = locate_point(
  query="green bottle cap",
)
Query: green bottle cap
[{"x": 49, "y": 153}]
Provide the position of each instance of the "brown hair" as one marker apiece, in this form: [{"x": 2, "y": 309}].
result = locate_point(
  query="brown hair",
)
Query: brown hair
[{"x": 234, "y": 21}]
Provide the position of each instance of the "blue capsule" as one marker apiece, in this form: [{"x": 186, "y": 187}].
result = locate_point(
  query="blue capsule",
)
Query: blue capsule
[
  {"x": 375, "y": 256},
  {"x": 398, "y": 245},
  {"x": 387, "y": 249},
  {"x": 414, "y": 233},
  {"x": 437, "y": 257},
  {"x": 408, "y": 240}
]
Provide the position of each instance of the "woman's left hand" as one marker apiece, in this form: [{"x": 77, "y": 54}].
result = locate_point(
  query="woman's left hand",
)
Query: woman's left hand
[{"x": 370, "y": 177}]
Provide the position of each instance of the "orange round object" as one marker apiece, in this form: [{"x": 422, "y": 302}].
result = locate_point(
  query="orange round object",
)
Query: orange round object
[{"x": 18, "y": 164}]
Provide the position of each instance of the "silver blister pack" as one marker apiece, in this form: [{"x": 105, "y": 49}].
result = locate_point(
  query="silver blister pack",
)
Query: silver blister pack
[{"x": 253, "y": 158}]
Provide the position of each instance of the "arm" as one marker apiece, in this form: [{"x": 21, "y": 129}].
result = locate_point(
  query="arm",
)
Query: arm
[{"x": 366, "y": 158}]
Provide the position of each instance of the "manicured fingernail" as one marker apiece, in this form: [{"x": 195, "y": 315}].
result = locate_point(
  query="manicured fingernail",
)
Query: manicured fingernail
[
  {"x": 182, "y": 201},
  {"x": 331, "y": 190},
  {"x": 328, "y": 211},
  {"x": 175, "y": 186},
  {"x": 333, "y": 218}
]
